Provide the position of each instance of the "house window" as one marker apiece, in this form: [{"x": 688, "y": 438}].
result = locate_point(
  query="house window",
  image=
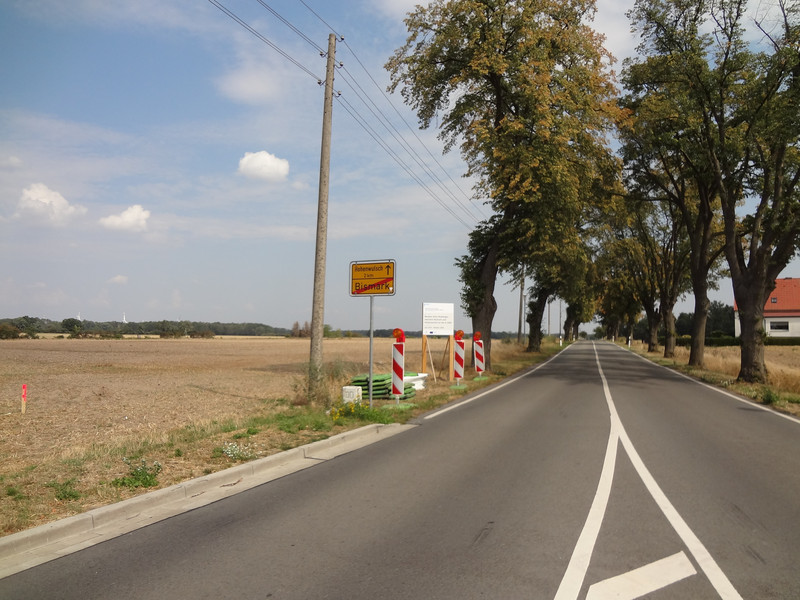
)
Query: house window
[
  {"x": 779, "y": 325},
  {"x": 774, "y": 300}
]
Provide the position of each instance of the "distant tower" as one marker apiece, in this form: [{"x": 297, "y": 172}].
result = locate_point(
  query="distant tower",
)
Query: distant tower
[
  {"x": 124, "y": 320},
  {"x": 79, "y": 317}
]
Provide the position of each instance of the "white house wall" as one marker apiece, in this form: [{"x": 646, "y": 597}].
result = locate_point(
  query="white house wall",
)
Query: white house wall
[{"x": 794, "y": 326}]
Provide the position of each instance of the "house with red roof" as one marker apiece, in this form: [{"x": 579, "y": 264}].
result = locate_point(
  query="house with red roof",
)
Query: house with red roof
[{"x": 781, "y": 312}]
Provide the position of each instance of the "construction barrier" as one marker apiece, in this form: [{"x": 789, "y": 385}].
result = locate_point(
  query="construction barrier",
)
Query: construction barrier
[
  {"x": 398, "y": 368},
  {"x": 458, "y": 368},
  {"x": 480, "y": 362}
]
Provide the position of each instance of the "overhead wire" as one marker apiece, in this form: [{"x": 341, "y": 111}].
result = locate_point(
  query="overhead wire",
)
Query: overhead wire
[
  {"x": 371, "y": 132},
  {"x": 466, "y": 207},
  {"x": 292, "y": 27},
  {"x": 264, "y": 39},
  {"x": 405, "y": 121},
  {"x": 398, "y": 137},
  {"x": 358, "y": 91}
]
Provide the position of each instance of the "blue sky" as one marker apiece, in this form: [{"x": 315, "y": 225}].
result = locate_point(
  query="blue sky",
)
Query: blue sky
[{"x": 158, "y": 160}]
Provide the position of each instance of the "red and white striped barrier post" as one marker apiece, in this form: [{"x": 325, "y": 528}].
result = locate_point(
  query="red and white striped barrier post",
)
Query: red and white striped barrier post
[
  {"x": 398, "y": 364},
  {"x": 458, "y": 364},
  {"x": 477, "y": 350}
]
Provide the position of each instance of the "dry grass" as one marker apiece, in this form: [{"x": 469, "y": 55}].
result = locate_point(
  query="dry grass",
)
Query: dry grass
[
  {"x": 92, "y": 403},
  {"x": 722, "y": 367}
]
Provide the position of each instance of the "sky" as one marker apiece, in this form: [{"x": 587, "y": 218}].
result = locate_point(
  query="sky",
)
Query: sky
[{"x": 161, "y": 162}]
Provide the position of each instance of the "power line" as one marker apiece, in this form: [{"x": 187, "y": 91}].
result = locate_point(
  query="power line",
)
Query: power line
[
  {"x": 407, "y": 124},
  {"x": 373, "y": 109},
  {"x": 382, "y": 117},
  {"x": 324, "y": 22},
  {"x": 371, "y": 132},
  {"x": 397, "y": 136},
  {"x": 313, "y": 44},
  {"x": 261, "y": 37}
]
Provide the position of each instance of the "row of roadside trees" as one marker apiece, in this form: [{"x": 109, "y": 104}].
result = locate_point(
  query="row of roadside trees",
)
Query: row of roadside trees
[{"x": 701, "y": 181}]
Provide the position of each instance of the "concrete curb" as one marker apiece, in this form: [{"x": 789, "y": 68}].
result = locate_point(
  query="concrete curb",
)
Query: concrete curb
[{"x": 40, "y": 544}]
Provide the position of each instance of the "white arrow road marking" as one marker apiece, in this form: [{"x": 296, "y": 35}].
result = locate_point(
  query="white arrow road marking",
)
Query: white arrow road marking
[
  {"x": 576, "y": 569},
  {"x": 575, "y": 574},
  {"x": 643, "y": 580}
]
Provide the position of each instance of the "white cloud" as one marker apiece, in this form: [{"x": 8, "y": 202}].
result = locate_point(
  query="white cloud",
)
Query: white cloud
[
  {"x": 263, "y": 165},
  {"x": 133, "y": 218},
  {"x": 40, "y": 202},
  {"x": 10, "y": 163},
  {"x": 397, "y": 9},
  {"x": 119, "y": 279},
  {"x": 250, "y": 83}
]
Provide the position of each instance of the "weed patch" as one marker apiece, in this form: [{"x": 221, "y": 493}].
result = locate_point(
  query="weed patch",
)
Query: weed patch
[
  {"x": 139, "y": 476},
  {"x": 358, "y": 411},
  {"x": 64, "y": 490}
]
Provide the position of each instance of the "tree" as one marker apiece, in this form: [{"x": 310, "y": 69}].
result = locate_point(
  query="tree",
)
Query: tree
[
  {"x": 523, "y": 88},
  {"x": 720, "y": 319},
  {"x": 744, "y": 104},
  {"x": 72, "y": 326},
  {"x": 478, "y": 274},
  {"x": 664, "y": 156}
]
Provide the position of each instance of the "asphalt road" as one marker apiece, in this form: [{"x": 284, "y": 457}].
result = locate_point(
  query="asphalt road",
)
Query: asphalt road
[{"x": 598, "y": 475}]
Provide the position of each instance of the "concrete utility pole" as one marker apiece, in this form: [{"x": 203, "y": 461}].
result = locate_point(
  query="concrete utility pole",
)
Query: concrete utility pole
[
  {"x": 318, "y": 301},
  {"x": 521, "y": 304}
]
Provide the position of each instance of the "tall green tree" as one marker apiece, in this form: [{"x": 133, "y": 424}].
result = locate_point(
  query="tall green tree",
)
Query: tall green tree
[
  {"x": 746, "y": 103},
  {"x": 522, "y": 87},
  {"x": 664, "y": 158}
]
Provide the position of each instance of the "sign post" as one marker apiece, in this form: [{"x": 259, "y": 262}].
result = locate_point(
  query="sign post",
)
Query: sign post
[{"x": 372, "y": 278}]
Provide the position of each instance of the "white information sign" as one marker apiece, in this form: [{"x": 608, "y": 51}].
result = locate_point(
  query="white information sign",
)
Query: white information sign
[{"x": 438, "y": 318}]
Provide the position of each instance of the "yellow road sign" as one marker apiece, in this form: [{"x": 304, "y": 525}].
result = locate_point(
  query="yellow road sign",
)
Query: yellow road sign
[{"x": 372, "y": 278}]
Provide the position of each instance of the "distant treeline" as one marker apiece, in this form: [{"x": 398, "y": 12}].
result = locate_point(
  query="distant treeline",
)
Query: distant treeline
[{"x": 31, "y": 327}]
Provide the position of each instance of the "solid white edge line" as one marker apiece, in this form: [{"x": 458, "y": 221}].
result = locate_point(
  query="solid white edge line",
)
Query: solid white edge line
[
  {"x": 495, "y": 388},
  {"x": 791, "y": 418},
  {"x": 644, "y": 580},
  {"x": 704, "y": 559}
]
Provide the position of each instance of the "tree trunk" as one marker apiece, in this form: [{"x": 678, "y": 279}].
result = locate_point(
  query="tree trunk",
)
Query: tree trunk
[
  {"x": 484, "y": 315},
  {"x": 653, "y": 322},
  {"x": 701, "y": 304},
  {"x": 669, "y": 332},
  {"x": 568, "y": 328},
  {"x": 752, "y": 368},
  {"x": 750, "y": 300},
  {"x": 536, "y": 308}
]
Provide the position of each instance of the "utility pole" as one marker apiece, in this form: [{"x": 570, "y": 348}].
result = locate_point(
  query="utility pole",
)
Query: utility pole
[
  {"x": 521, "y": 304},
  {"x": 318, "y": 301}
]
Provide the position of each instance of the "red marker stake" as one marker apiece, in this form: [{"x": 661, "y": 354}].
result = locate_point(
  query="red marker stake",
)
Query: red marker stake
[{"x": 24, "y": 397}]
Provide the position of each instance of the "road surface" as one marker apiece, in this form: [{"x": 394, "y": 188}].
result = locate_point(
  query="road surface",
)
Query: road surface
[{"x": 597, "y": 475}]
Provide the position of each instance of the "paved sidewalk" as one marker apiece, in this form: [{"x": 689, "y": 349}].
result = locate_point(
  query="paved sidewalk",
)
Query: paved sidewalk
[{"x": 41, "y": 544}]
